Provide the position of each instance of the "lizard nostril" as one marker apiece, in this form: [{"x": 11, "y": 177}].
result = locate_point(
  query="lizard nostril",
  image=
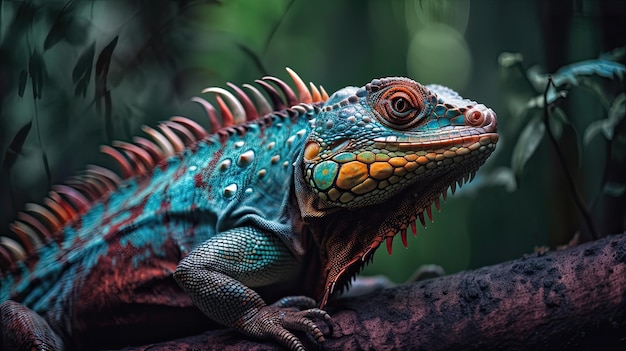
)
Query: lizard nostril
[
  {"x": 475, "y": 118},
  {"x": 481, "y": 116}
]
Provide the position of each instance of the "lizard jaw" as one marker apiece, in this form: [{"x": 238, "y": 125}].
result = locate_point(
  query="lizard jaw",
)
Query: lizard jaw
[
  {"x": 413, "y": 207},
  {"x": 353, "y": 266},
  {"x": 419, "y": 214}
]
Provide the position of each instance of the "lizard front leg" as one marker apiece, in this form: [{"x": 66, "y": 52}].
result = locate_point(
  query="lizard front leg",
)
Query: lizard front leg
[
  {"x": 219, "y": 276},
  {"x": 21, "y": 329}
]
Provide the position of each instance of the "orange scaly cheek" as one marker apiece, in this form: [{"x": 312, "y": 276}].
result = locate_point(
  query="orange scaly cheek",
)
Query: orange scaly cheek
[{"x": 351, "y": 174}]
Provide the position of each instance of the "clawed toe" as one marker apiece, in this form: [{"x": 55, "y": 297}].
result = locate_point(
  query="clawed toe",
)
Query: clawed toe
[{"x": 278, "y": 320}]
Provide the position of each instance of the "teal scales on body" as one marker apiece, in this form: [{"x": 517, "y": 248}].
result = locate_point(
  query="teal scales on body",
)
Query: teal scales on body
[{"x": 280, "y": 204}]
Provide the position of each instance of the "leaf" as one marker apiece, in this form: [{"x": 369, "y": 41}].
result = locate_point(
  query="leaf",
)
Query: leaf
[
  {"x": 509, "y": 59},
  {"x": 82, "y": 70},
  {"x": 16, "y": 145},
  {"x": 527, "y": 143},
  {"x": 60, "y": 26},
  {"x": 603, "y": 68},
  {"x": 618, "y": 109},
  {"x": 37, "y": 71},
  {"x": 614, "y": 189},
  {"x": 594, "y": 128},
  {"x": 557, "y": 120},
  {"x": 55, "y": 35},
  {"x": 22, "y": 21},
  {"x": 83, "y": 65},
  {"x": 606, "y": 126},
  {"x": 502, "y": 176},
  {"x": 102, "y": 69},
  {"x": 571, "y": 74},
  {"x": 553, "y": 97},
  {"x": 23, "y": 81},
  {"x": 614, "y": 55},
  {"x": 537, "y": 77},
  {"x": 104, "y": 59}
]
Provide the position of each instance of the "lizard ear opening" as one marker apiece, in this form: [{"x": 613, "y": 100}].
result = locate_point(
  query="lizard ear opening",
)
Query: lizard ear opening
[{"x": 311, "y": 150}]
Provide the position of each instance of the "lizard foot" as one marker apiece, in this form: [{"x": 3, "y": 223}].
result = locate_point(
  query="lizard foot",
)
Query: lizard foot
[{"x": 290, "y": 313}]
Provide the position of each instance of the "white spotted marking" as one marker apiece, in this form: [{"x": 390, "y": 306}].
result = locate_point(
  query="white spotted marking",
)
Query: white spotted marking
[
  {"x": 230, "y": 190},
  {"x": 246, "y": 158},
  {"x": 290, "y": 140},
  {"x": 224, "y": 165}
]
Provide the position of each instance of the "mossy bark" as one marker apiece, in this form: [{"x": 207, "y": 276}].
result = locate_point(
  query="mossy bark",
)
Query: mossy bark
[{"x": 568, "y": 299}]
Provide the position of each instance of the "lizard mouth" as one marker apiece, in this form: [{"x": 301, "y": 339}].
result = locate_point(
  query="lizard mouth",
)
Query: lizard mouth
[
  {"x": 461, "y": 142},
  {"x": 415, "y": 205},
  {"x": 478, "y": 146},
  {"x": 358, "y": 179}
]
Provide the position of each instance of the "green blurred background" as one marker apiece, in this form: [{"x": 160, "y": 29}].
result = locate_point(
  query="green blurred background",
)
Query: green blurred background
[{"x": 148, "y": 58}]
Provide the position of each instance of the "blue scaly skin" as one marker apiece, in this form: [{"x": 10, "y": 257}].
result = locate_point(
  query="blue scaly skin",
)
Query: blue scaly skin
[{"x": 290, "y": 201}]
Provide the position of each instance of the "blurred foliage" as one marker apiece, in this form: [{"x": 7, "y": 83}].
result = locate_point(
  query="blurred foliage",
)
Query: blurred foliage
[
  {"x": 544, "y": 117},
  {"x": 77, "y": 74}
]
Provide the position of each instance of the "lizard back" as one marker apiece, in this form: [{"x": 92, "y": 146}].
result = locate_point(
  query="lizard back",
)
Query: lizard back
[{"x": 178, "y": 190}]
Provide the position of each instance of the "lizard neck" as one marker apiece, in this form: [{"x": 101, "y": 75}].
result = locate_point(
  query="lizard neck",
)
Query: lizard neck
[
  {"x": 347, "y": 238},
  {"x": 339, "y": 234}
]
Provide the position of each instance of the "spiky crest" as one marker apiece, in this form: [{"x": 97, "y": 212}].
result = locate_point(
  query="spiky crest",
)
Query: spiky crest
[{"x": 40, "y": 223}]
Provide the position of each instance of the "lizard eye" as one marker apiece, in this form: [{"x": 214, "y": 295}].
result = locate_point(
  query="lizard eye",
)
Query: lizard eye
[{"x": 400, "y": 106}]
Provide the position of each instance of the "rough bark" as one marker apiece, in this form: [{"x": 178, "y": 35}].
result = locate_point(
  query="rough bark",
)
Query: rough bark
[{"x": 569, "y": 299}]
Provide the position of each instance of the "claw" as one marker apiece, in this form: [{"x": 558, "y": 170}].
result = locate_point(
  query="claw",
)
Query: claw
[{"x": 279, "y": 320}]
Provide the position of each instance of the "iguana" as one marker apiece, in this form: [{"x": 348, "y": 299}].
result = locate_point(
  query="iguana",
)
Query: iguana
[{"x": 290, "y": 200}]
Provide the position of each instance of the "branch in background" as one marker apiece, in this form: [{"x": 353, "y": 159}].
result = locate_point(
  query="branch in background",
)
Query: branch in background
[
  {"x": 569, "y": 299},
  {"x": 547, "y": 112}
]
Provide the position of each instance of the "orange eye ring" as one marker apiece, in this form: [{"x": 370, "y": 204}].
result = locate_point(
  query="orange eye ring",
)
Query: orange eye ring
[{"x": 400, "y": 106}]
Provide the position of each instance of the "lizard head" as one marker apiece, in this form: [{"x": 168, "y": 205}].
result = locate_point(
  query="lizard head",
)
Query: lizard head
[{"x": 380, "y": 155}]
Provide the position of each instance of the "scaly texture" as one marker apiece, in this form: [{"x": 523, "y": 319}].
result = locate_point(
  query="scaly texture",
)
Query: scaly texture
[{"x": 273, "y": 201}]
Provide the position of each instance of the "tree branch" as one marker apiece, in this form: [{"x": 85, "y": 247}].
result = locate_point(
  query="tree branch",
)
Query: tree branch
[{"x": 569, "y": 299}]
